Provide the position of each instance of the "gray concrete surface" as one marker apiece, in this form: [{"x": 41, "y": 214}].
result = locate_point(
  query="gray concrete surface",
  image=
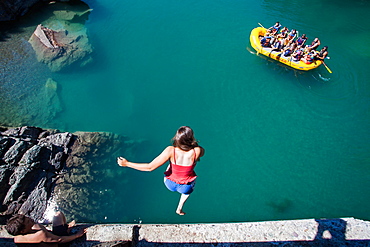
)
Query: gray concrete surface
[{"x": 309, "y": 232}]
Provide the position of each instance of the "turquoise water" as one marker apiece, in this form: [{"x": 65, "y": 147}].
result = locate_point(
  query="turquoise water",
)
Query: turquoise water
[{"x": 280, "y": 143}]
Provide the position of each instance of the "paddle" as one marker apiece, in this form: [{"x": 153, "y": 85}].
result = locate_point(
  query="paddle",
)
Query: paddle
[
  {"x": 316, "y": 52},
  {"x": 261, "y": 25},
  {"x": 326, "y": 67}
]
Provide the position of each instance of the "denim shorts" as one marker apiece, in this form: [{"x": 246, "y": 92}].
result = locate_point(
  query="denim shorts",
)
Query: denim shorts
[{"x": 181, "y": 188}]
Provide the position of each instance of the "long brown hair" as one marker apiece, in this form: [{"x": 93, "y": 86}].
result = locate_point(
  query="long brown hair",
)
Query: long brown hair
[
  {"x": 16, "y": 224},
  {"x": 184, "y": 139}
]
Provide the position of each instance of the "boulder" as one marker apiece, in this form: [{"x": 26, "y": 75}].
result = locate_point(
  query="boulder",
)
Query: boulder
[
  {"x": 13, "y": 154},
  {"x": 36, "y": 202},
  {"x": 62, "y": 46},
  {"x": 27, "y": 174}
]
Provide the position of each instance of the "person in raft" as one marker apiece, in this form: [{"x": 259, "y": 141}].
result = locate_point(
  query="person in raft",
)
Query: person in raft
[
  {"x": 182, "y": 156},
  {"x": 322, "y": 54},
  {"x": 275, "y": 28},
  {"x": 28, "y": 233}
]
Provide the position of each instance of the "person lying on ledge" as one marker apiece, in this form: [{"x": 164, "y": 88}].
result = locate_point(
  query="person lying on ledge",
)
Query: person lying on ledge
[{"x": 28, "y": 233}]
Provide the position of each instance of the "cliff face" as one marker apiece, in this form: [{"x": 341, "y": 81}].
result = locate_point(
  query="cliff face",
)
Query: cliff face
[
  {"x": 12, "y": 9},
  {"x": 35, "y": 162}
]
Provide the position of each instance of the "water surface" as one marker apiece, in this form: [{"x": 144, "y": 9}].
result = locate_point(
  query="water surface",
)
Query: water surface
[{"x": 280, "y": 143}]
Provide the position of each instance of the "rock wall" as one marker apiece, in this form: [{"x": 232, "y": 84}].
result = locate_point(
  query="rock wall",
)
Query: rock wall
[
  {"x": 12, "y": 9},
  {"x": 35, "y": 162}
]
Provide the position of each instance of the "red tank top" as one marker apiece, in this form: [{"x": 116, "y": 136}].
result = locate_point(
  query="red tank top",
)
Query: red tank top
[{"x": 181, "y": 174}]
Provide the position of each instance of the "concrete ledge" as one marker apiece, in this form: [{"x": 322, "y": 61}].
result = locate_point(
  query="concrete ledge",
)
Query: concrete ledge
[
  {"x": 270, "y": 231},
  {"x": 310, "y": 232}
]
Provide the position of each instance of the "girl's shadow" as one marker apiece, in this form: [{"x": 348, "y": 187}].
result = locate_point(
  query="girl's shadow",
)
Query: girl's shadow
[{"x": 331, "y": 230}]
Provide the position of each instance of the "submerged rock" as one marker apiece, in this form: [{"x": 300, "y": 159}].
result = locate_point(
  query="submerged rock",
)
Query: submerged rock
[
  {"x": 61, "y": 48},
  {"x": 36, "y": 164},
  {"x": 61, "y": 39},
  {"x": 29, "y": 95},
  {"x": 69, "y": 15},
  {"x": 41, "y": 105},
  {"x": 51, "y": 98}
]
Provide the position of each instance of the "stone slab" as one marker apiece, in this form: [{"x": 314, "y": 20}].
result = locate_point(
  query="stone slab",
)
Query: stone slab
[
  {"x": 306, "y": 232},
  {"x": 269, "y": 231}
]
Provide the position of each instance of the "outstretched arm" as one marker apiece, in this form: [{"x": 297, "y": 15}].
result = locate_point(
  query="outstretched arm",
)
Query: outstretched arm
[
  {"x": 51, "y": 238},
  {"x": 66, "y": 239},
  {"x": 148, "y": 167},
  {"x": 44, "y": 236}
]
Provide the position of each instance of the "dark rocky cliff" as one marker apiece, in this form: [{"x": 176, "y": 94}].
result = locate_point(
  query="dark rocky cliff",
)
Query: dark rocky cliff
[
  {"x": 13, "y": 9},
  {"x": 34, "y": 162}
]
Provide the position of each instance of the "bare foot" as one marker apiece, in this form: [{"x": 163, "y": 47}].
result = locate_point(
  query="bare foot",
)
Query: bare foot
[
  {"x": 180, "y": 212},
  {"x": 71, "y": 224}
]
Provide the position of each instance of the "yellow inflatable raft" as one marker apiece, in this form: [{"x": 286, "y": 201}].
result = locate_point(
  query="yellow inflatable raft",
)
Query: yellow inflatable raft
[{"x": 277, "y": 55}]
